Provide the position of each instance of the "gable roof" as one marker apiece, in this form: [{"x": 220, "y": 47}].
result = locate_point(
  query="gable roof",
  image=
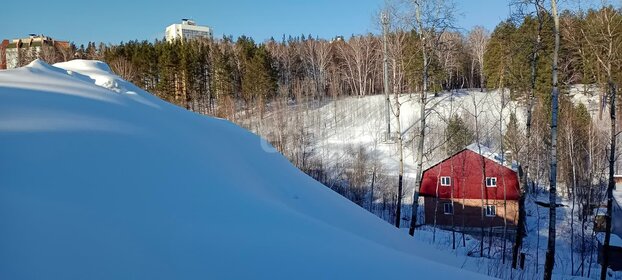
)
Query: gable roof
[
  {"x": 491, "y": 155},
  {"x": 484, "y": 151}
]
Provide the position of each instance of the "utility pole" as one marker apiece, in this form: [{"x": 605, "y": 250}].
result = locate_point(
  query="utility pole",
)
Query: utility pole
[{"x": 385, "y": 64}]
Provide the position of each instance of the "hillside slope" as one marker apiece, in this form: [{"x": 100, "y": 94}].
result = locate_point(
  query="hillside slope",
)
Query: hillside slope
[{"x": 101, "y": 180}]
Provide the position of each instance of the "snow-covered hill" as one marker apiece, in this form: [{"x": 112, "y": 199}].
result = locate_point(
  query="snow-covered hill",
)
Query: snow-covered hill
[
  {"x": 101, "y": 180},
  {"x": 338, "y": 128}
]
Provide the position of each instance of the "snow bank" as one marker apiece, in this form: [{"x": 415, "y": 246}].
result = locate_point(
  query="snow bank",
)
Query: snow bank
[
  {"x": 97, "y": 184},
  {"x": 98, "y": 71}
]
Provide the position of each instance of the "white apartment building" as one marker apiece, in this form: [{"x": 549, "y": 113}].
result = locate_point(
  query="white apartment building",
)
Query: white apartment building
[{"x": 187, "y": 30}]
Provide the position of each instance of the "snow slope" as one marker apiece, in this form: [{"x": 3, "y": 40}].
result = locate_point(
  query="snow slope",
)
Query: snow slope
[
  {"x": 101, "y": 180},
  {"x": 338, "y": 126}
]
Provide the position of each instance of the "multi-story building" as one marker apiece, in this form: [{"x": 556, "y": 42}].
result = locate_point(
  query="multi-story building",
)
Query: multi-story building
[
  {"x": 187, "y": 30},
  {"x": 18, "y": 52},
  {"x": 471, "y": 189}
]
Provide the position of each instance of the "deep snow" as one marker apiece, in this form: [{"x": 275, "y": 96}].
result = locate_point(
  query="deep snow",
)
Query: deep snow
[{"x": 101, "y": 180}]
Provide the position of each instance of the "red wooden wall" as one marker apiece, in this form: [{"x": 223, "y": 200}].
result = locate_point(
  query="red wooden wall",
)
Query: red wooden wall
[{"x": 465, "y": 170}]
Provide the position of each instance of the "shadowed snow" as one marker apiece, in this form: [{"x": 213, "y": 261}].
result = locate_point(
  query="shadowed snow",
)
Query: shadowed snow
[{"x": 99, "y": 184}]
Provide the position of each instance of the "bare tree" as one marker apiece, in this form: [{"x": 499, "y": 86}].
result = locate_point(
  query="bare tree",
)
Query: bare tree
[
  {"x": 448, "y": 53},
  {"x": 316, "y": 57},
  {"x": 400, "y": 147},
  {"x": 550, "y": 250},
  {"x": 359, "y": 55},
  {"x": 49, "y": 54},
  {"x": 432, "y": 19},
  {"x": 124, "y": 68},
  {"x": 478, "y": 41},
  {"x": 395, "y": 60},
  {"x": 521, "y": 232}
]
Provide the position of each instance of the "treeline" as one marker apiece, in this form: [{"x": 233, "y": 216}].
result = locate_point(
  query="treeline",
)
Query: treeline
[
  {"x": 226, "y": 77},
  {"x": 204, "y": 76},
  {"x": 211, "y": 76}
]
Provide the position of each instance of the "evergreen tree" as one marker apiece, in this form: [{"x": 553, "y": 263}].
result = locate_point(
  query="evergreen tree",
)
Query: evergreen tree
[
  {"x": 222, "y": 81},
  {"x": 169, "y": 86},
  {"x": 458, "y": 135},
  {"x": 498, "y": 55}
]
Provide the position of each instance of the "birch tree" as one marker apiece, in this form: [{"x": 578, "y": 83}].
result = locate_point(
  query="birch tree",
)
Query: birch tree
[
  {"x": 316, "y": 57},
  {"x": 521, "y": 232},
  {"x": 550, "y": 250},
  {"x": 400, "y": 150},
  {"x": 359, "y": 55},
  {"x": 478, "y": 41},
  {"x": 432, "y": 19}
]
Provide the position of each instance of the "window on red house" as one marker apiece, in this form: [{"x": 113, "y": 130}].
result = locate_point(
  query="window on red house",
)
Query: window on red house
[
  {"x": 491, "y": 211},
  {"x": 448, "y": 208},
  {"x": 445, "y": 181},
  {"x": 491, "y": 182}
]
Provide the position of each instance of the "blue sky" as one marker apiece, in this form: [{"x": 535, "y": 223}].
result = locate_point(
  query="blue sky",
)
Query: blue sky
[{"x": 114, "y": 21}]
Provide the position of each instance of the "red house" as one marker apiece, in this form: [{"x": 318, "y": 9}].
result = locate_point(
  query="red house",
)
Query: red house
[{"x": 471, "y": 183}]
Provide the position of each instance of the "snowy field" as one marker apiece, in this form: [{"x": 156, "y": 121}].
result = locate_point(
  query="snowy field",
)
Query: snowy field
[{"x": 101, "y": 180}]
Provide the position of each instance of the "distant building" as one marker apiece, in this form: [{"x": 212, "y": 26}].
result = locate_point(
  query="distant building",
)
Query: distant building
[
  {"x": 3, "y": 46},
  {"x": 18, "y": 52},
  {"x": 618, "y": 180},
  {"x": 338, "y": 38},
  {"x": 187, "y": 30}
]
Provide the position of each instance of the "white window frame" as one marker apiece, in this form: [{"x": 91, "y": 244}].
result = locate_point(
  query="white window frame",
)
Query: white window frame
[
  {"x": 445, "y": 178},
  {"x": 492, "y": 180},
  {"x": 446, "y": 206},
  {"x": 490, "y": 210}
]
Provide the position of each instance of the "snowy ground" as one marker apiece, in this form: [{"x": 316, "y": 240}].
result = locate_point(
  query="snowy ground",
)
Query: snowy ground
[
  {"x": 534, "y": 246},
  {"x": 590, "y": 96},
  {"x": 338, "y": 126},
  {"x": 101, "y": 180}
]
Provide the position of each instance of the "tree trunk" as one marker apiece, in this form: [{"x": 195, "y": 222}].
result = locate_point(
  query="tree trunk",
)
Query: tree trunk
[
  {"x": 422, "y": 116},
  {"x": 371, "y": 198},
  {"x": 400, "y": 147},
  {"x": 574, "y": 195},
  {"x": 611, "y": 184},
  {"x": 385, "y": 69},
  {"x": 483, "y": 186},
  {"x": 550, "y": 250},
  {"x": 521, "y": 231}
]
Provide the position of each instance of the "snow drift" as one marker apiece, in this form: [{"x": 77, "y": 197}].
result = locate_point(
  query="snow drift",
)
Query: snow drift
[{"x": 101, "y": 180}]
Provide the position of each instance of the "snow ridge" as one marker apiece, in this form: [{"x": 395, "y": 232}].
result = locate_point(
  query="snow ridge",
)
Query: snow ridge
[{"x": 100, "y": 183}]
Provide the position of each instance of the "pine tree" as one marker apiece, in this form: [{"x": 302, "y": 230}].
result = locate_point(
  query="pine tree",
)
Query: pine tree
[
  {"x": 458, "y": 135},
  {"x": 498, "y": 55},
  {"x": 222, "y": 81}
]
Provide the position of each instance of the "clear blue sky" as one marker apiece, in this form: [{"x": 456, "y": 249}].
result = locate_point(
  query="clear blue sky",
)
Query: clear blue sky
[{"x": 113, "y": 21}]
